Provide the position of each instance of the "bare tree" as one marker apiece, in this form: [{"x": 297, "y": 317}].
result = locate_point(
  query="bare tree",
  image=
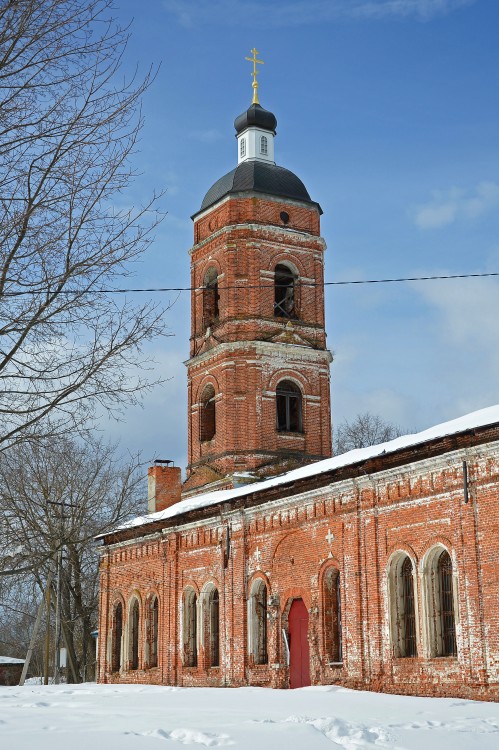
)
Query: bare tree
[
  {"x": 69, "y": 124},
  {"x": 363, "y": 430},
  {"x": 58, "y": 495}
]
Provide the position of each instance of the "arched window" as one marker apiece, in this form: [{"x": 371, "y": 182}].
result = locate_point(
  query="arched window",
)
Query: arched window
[
  {"x": 242, "y": 147},
  {"x": 211, "y": 626},
  {"x": 134, "y": 634},
  {"x": 207, "y": 414},
  {"x": 289, "y": 407},
  {"x": 258, "y": 622},
  {"x": 210, "y": 298},
  {"x": 284, "y": 292},
  {"x": 116, "y": 638},
  {"x": 402, "y": 607},
  {"x": 333, "y": 637},
  {"x": 264, "y": 149},
  {"x": 448, "y": 626},
  {"x": 439, "y": 601},
  {"x": 152, "y": 632},
  {"x": 190, "y": 628}
]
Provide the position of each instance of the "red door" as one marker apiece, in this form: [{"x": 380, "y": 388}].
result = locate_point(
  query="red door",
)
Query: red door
[{"x": 299, "y": 655}]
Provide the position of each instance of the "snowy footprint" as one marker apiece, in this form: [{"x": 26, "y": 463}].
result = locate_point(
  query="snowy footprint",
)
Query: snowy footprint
[{"x": 189, "y": 737}]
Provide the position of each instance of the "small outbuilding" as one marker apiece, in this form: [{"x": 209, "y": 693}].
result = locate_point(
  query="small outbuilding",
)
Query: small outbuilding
[{"x": 10, "y": 670}]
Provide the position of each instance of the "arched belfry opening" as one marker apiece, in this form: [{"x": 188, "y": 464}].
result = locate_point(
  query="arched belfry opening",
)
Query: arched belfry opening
[
  {"x": 289, "y": 407},
  {"x": 207, "y": 416},
  {"x": 285, "y": 292},
  {"x": 210, "y": 298}
]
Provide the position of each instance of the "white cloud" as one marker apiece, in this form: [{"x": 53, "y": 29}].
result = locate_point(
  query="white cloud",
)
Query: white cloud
[
  {"x": 299, "y": 12},
  {"x": 447, "y": 207}
]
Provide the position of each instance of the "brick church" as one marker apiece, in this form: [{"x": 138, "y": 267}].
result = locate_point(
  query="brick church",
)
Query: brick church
[{"x": 275, "y": 564}]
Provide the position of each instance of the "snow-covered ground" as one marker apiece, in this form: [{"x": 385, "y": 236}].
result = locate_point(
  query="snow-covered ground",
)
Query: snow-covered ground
[{"x": 100, "y": 717}]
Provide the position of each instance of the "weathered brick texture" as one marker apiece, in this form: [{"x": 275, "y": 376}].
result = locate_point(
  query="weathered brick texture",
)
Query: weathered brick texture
[
  {"x": 356, "y": 521},
  {"x": 246, "y": 350}
]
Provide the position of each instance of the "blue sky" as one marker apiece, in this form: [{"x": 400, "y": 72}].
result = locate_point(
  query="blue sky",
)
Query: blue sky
[{"x": 388, "y": 110}]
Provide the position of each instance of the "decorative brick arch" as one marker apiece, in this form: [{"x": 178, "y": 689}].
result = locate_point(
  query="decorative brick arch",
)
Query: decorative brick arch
[
  {"x": 115, "y": 639},
  {"x": 402, "y": 547},
  {"x": 189, "y": 631},
  {"x": 439, "y": 587},
  {"x": 295, "y": 376},
  {"x": 331, "y": 599},
  {"x": 286, "y": 258},
  {"x": 134, "y": 620},
  {"x": 402, "y": 598},
  {"x": 207, "y": 380},
  {"x": 209, "y": 623},
  {"x": 151, "y": 627},
  {"x": 257, "y": 609}
]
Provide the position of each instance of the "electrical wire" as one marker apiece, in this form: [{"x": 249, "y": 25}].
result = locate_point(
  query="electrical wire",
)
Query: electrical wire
[{"x": 152, "y": 290}]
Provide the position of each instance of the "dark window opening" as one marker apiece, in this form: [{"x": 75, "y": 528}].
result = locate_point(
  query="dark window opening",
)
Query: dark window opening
[
  {"x": 207, "y": 414},
  {"x": 134, "y": 624},
  {"x": 289, "y": 407},
  {"x": 332, "y": 616},
  {"x": 214, "y": 637},
  {"x": 210, "y": 298},
  {"x": 190, "y": 630},
  {"x": 153, "y": 633},
  {"x": 448, "y": 626},
  {"x": 260, "y": 602},
  {"x": 408, "y": 610},
  {"x": 285, "y": 287},
  {"x": 117, "y": 634}
]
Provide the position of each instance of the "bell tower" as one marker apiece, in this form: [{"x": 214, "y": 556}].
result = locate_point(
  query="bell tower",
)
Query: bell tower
[{"x": 258, "y": 372}]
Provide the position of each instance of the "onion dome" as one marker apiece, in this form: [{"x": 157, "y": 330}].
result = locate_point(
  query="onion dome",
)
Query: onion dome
[
  {"x": 260, "y": 177},
  {"x": 256, "y": 117}
]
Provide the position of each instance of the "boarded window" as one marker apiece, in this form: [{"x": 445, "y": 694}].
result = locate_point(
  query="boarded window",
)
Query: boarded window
[
  {"x": 190, "y": 628},
  {"x": 333, "y": 637},
  {"x": 207, "y": 414},
  {"x": 134, "y": 635},
  {"x": 258, "y": 622},
  {"x": 117, "y": 634},
  {"x": 289, "y": 407},
  {"x": 285, "y": 283},
  {"x": 210, "y": 298}
]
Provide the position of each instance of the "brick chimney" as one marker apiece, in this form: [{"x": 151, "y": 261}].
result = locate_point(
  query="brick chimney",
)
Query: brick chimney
[{"x": 163, "y": 485}]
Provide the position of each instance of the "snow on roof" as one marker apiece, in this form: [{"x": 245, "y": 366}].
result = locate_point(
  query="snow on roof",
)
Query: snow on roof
[
  {"x": 475, "y": 419},
  {"x": 10, "y": 660}
]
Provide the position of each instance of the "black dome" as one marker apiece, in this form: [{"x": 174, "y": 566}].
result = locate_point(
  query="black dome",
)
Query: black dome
[
  {"x": 255, "y": 116},
  {"x": 261, "y": 178}
]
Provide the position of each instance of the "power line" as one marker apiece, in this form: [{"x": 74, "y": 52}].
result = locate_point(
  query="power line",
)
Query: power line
[{"x": 249, "y": 286}]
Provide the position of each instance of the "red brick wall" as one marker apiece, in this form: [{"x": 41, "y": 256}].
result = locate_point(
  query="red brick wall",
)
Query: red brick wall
[
  {"x": 287, "y": 543},
  {"x": 244, "y": 239}
]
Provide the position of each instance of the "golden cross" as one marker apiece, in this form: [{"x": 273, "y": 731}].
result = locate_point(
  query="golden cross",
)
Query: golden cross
[{"x": 254, "y": 74}]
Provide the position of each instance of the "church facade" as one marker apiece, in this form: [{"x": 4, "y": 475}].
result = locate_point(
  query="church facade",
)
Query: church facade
[{"x": 275, "y": 564}]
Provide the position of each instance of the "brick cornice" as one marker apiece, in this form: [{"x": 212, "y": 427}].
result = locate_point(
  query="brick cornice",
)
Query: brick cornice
[
  {"x": 262, "y": 348},
  {"x": 363, "y": 470}
]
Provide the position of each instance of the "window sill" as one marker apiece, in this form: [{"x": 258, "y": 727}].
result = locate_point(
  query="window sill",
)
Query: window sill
[
  {"x": 335, "y": 663},
  {"x": 290, "y": 434}
]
